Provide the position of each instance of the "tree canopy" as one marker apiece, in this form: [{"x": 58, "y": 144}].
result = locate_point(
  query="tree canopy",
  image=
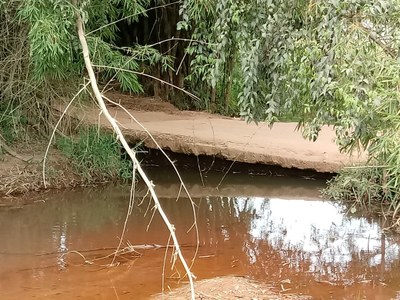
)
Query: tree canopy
[
  {"x": 325, "y": 62},
  {"x": 318, "y": 62}
]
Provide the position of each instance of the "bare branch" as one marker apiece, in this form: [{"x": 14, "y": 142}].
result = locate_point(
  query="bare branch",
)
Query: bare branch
[
  {"x": 375, "y": 38},
  {"x": 129, "y": 151},
  {"x": 152, "y": 77},
  {"x": 11, "y": 151}
]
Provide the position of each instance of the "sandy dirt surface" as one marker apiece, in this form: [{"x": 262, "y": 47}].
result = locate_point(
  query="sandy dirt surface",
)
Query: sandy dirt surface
[
  {"x": 229, "y": 138},
  {"x": 226, "y": 288}
]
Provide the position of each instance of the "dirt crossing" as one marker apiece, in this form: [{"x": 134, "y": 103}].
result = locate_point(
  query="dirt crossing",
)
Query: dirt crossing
[{"x": 230, "y": 138}]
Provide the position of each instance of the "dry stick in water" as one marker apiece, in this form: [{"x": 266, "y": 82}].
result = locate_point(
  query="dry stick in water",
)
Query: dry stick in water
[
  {"x": 183, "y": 186},
  {"x": 130, "y": 152},
  {"x": 130, "y": 208}
]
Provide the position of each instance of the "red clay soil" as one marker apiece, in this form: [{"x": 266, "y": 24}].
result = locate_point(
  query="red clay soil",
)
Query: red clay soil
[{"x": 214, "y": 135}]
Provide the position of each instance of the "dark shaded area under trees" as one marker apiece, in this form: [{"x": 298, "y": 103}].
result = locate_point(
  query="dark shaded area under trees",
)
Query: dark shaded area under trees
[{"x": 158, "y": 28}]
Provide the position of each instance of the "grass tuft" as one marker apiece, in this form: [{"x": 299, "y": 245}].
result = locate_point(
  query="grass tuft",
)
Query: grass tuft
[{"x": 96, "y": 155}]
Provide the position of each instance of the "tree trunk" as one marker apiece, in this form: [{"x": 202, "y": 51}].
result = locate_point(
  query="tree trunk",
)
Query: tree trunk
[
  {"x": 213, "y": 98},
  {"x": 228, "y": 82}
]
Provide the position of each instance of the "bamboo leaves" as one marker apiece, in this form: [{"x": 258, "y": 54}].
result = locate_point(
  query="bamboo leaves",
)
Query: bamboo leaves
[{"x": 54, "y": 45}]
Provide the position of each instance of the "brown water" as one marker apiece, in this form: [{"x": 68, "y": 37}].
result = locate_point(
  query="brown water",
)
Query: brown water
[{"x": 275, "y": 230}]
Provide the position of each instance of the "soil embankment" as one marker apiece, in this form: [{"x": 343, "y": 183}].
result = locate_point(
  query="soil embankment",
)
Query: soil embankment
[
  {"x": 186, "y": 132},
  {"x": 21, "y": 172},
  {"x": 201, "y": 133}
]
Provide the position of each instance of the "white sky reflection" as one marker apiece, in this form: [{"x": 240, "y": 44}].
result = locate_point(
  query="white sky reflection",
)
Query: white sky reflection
[{"x": 314, "y": 227}]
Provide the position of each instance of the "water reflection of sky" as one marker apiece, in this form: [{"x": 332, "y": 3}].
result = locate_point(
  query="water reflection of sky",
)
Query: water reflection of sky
[
  {"x": 59, "y": 237},
  {"x": 317, "y": 228}
]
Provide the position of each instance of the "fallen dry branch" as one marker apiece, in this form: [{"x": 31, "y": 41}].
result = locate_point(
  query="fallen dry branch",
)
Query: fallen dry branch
[
  {"x": 8, "y": 150},
  {"x": 128, "y": 250},
  {"x": 129, "y": 247},
  {"x": 129, "y": 151}
]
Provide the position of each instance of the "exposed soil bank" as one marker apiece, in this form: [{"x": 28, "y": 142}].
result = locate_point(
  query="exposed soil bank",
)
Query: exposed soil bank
[
  {"x": 200, "y": 133},
  {"x": 23, "y": 174},
  {"x": 204, "y": 164},
  {"x": 210, "y": 138}
]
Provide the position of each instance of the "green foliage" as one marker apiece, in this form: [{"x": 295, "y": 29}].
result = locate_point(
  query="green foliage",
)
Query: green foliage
[
  {"x": 96, "y": 156},
  {"x": 54, "y": 48},
  {"x": 236, "y": 35},
  {"x": 51, "y": 32},
  {"x": 320, "y": 62},
  {"x": 371, "y": 188},
  {"x": 363, "y": 185},
  {"x": 41, "y": 60}
]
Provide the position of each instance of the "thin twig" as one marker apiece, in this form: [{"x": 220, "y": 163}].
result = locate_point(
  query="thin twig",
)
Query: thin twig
[
  {"x": 182, "y": 40},
  {"x": 150, "y": 76},
  {"x": 164, "y": 266},
  {"x": 54, "y": 132},
  {"x": 129, "y": 212}
]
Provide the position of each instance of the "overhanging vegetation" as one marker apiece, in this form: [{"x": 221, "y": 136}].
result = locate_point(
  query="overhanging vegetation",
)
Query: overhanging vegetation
[{"x": 319, "y": 62}]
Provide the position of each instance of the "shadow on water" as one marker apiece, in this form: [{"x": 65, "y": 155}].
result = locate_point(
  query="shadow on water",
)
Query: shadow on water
[{"x": 273, "y": 229}]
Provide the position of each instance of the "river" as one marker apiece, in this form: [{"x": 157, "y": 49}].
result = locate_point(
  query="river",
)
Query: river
[{"x": 275, "y": 230}]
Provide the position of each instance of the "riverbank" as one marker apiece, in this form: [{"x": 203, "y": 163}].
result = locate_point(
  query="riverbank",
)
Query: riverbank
[
  {"x": 21, "y": 172},
  {"x": 183, "y": 132},
  {"x": 200, "y": 133}
]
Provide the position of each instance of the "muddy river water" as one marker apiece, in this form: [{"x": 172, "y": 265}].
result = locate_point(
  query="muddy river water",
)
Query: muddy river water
[{"x": 275, "y": 230}]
